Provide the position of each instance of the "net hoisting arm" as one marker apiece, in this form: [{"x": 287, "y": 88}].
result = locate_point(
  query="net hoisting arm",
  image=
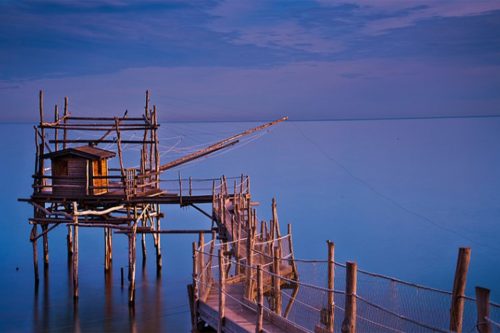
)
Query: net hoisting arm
[{"x": 228, "y": 142}]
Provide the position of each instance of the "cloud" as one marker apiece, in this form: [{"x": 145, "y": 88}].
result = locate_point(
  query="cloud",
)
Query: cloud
[
  {"x": 307, "y": 90},
  {"x": 395, "y": 14}
]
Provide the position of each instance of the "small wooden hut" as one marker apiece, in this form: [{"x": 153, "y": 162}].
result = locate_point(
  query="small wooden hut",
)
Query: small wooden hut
[{"x": 80, "y": 171}]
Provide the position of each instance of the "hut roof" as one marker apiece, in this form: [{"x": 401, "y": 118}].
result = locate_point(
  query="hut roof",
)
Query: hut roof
[{"x": 87, "y": 152}]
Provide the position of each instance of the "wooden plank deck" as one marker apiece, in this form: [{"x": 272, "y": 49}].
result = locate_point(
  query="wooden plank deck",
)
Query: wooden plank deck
[{"x": 238, "y": 317}]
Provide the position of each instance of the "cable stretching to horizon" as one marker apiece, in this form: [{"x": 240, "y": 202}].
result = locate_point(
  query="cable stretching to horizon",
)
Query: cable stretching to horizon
[{"x": 389, "y": 199}]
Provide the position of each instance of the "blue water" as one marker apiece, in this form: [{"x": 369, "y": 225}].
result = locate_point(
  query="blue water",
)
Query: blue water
[{"x": 397, "y": 197}]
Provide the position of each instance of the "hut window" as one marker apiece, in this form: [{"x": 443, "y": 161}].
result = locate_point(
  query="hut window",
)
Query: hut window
[{"x": 60, "y": 168}]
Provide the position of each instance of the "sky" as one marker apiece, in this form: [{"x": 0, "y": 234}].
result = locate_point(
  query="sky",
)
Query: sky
[{"x": 251, "y": 60}]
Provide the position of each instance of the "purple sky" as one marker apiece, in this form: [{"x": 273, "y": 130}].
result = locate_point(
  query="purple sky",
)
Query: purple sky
[{"x": 252, "y": 60}]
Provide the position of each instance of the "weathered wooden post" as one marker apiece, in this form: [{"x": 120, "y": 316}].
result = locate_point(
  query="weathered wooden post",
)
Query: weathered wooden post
[
  {"x": 196, "y": 286},
  {"x": 45, "y": 246},
  {"x": 35, "y": 252},
  {"x": 331, "y": 286},
  {"x": 277, "y": 281},
  {"x": 483, "y": 310},
  {"x": 260, "y": 300},
  {"x": 201, "y": 258},
  {"x": 190, "y": 186},
  {"x": 75, "y": 252},
  {"x": 158, "y": 241},
  {"x": 349, "y": 323},
  {"x": 248, "y": 269},
  {"x": 69, "y": 242},
  {"x": 457, "y": 298},
  {"x": 222, "y": 295},
  {"x": 132, "y": 260}
]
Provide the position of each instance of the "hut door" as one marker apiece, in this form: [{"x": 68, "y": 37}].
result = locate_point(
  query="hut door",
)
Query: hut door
[{"x": 99, "y": 170}]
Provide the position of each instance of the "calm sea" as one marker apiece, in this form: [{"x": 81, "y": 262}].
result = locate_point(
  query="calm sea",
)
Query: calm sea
[{"x": 398, "y": 197}]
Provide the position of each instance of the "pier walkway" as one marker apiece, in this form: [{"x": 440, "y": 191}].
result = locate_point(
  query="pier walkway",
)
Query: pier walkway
[{"x": 246, "y": 278}]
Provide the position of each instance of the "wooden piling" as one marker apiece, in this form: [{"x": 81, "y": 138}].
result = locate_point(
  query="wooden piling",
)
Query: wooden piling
[
  {"x": 222, "y": 295},
  {"x": 56, "y": 132},
  {"x": 107, "y": 250},
  {"x": 132, "y": 262},
  {"x": 69, "y": 242},
  {"x": 483, "y": 310},
  {"x": 45, "y": 246},
  {"x": 158, "y": 243},
  {"x": 276, "y": 281},
  {"x": 35, "y": 252},
  {"x": 331, "y": 286},
  {"x": 121, "y": 276},
  {"x": 349, "y": 323},
  {"x": 76, "y": 291},
  {"x": 260, "y": 300},
  {"x": 458, "y": 294}
]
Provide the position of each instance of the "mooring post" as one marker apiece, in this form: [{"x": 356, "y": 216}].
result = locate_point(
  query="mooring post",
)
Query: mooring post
[
  {"x": 483, "y": 310},
  {"x": 331, "y": 286},
  {"x": 75, "y": 252},
  {"x": 222, "y": 295},
  {"x": 107, "y": 249},
  {"x": 458, "y": 294},
  {"x": 121, "y": 276},
  {"x": 349, "y": 323},
  {"x": 260, "y": 300},
  {"x": 35, "y": 252},
  {"x": 143, "y": 240}
]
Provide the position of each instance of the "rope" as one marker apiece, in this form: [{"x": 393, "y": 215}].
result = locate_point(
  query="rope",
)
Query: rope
[
  {"x": 494, "y": 323},
  {"x": 400, "y": 316}
]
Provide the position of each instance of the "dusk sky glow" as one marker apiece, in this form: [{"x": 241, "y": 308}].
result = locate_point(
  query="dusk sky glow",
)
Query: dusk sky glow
[{"x": 252, "y": 60}]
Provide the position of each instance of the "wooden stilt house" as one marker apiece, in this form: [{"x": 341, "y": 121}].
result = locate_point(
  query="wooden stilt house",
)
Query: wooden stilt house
[{"x": 79, "y": 171}]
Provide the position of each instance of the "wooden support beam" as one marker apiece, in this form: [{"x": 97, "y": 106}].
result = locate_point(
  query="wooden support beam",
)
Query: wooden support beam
[
  {"x": 349, "y": 323},
  {"x": 483, "y": 310},
  {"x": 75, "y": 254},
  {"x": 260, "y": 301},
  {"x": 65, "y": 117},
  {"x": 457, "y": 298},
  {"x": 331, "y": 285}
]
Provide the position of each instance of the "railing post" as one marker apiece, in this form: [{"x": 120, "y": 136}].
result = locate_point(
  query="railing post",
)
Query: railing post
[
  {"x": 222, "y": 296},
  {"x": 276, "y": 281},
  {"x": 349, "y": 323},
  {"x": 190, "y": 186},
  {"x": 248, "y": 269},
  {"x": 260, "y": 300},
  {"x": 331, "y": 286},
  {"x": 201, "y": 258},
  {"x": 457, "y": 298},
  {"x": 195, "y": 287},
  {"x": 483, "y": 310}
]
